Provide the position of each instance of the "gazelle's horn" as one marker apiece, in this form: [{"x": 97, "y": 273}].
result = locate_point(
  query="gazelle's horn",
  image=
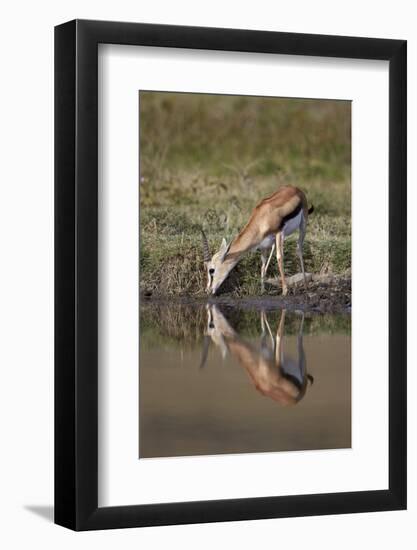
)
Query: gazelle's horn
[
  {"x": 206, "y": 249},
  {"x": 204, "y": 354}
]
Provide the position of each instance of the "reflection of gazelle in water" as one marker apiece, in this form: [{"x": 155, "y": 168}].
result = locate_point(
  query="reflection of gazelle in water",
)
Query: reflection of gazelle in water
[{"x": 273, "y": 373}]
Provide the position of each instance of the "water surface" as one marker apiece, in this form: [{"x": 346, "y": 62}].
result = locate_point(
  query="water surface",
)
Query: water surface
[{"x": 221, "y": 380}]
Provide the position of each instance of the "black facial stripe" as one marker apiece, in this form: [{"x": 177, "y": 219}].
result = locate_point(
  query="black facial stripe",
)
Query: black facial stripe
[{"x": 294, "y": 380}]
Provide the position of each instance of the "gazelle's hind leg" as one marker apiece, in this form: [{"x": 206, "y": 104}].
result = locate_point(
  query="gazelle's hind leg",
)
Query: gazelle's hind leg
[
  {"x": 264, "y": 323},
  {"x": 300, "y": 347},
  {"x": 279, "y": 239},
  {"x": 300, "y": 245}
]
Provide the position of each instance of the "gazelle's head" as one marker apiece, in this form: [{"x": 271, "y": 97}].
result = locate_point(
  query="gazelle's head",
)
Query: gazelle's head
[{"x": 218, "y": 266}]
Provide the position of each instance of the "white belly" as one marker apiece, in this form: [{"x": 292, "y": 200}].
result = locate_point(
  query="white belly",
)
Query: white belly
[
  {"x": 288, "y": 228},
  {"x": 292, "y": 225},
  {"x": 267, "y": 242}
]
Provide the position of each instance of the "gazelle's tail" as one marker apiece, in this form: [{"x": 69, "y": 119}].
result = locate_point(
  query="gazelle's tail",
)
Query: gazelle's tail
[{"x": 311, "y": 209}]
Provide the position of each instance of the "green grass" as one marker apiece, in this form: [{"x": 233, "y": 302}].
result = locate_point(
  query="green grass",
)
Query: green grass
[
  {"x": 176, "y": 325},
  {"x": 206, "y": 161}
]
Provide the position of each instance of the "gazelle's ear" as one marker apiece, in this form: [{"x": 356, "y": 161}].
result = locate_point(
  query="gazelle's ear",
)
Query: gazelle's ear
[{"x": 224, "y": 249}]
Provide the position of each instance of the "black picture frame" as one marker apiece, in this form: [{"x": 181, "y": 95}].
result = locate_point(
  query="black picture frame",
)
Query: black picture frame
[{"x": 76, "y": 272}]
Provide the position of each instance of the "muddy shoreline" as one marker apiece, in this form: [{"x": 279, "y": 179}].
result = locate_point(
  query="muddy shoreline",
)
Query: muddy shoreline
[{"x": 330, "y": 296}]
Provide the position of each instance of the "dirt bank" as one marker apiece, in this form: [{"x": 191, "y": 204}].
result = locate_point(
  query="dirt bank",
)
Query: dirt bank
[{"x": 329, "y": 295}]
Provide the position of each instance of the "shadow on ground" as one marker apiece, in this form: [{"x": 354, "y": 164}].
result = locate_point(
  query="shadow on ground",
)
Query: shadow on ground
[{"x": 45, "y": 512}]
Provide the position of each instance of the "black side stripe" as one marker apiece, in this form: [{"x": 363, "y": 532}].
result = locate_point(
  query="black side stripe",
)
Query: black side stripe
[{"x": 291, "y": 215}]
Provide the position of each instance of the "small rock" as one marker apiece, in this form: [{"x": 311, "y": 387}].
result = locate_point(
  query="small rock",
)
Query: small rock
[
  {"x": 298, "y": 278},
  {"x": 324, "y": 279}
]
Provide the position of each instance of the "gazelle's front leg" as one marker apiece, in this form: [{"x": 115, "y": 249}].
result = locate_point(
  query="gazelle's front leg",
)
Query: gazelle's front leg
[
  {"x": 279, "y": 239},
  {"x": 270, "y": 256},
  {"x": 265, "y": 264},
  {"x": 264, "y": 323}
]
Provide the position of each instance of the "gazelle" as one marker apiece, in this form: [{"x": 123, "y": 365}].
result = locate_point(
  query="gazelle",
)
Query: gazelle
[
  {"x": 275, "y": 374},
  {"x": 273, "y": 219}
]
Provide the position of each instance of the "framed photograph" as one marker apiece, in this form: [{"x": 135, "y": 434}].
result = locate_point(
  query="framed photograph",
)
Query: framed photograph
[{"x": 230, "y": 255}]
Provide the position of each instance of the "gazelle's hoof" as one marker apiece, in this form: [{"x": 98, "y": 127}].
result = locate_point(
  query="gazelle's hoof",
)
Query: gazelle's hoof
[{"x": 284, "y": 290}]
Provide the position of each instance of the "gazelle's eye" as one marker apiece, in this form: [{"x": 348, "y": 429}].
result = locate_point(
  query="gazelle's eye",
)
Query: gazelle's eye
[{"x": 211, "y": 271}]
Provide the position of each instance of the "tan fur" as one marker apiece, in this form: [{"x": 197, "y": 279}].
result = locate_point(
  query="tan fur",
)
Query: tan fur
[
  {"x": 265, "y": 373},
  {"x": 266, "y": 219}
]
